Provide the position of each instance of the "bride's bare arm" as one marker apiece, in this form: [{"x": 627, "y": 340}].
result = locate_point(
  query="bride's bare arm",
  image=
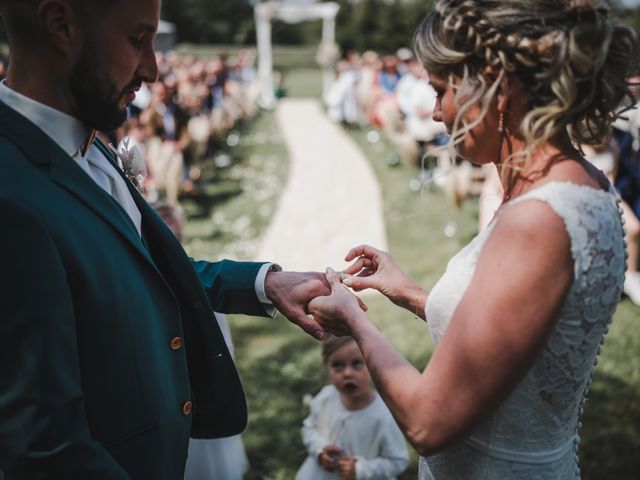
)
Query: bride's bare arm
[{"x": 500, "y": 325}]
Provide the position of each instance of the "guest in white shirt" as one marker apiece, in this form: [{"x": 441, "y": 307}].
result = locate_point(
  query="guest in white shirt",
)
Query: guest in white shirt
[{"x": 417, "y": 101}]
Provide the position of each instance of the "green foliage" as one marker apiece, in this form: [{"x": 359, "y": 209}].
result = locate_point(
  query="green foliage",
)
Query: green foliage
[
  {"x": 629, "y": 16},
  {"x": 206, "y": 21},
  {"x": 380, "y": 25},
  {"x": 302, "y": 82},
  {"x": 611, "y": 422}
]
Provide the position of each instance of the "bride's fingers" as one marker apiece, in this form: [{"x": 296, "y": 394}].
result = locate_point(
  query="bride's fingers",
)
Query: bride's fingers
[
  {"x": 366, "y": 273},
  {"x": 355, "y": 267},
  {"x": 361, "y": 250},
  {"x": 314, "y": 305},
  {"x": 359, "y": 264},
  {"x": 359, "y": 283},
  {"x": 319, "y": 305},
  {"x": 354, "y": 252},
  {"x": 333, "y": 278}
]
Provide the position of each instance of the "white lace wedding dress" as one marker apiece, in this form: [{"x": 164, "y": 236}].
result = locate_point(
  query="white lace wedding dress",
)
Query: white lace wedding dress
[{"x": 534, "y": 433}]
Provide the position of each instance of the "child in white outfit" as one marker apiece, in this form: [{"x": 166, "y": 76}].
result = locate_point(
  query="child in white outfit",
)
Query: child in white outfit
[{"x": 350, "y": 433}]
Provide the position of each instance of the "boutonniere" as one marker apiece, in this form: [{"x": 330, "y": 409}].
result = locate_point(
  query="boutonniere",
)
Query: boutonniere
[{"x": 131, "y": 161}]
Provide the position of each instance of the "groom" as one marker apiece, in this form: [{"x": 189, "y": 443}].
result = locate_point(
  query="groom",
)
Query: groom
[{"x": 110, "y": 356}]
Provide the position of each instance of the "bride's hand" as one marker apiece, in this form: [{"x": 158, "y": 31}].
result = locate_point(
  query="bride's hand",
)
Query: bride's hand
[
  {"x": 376, "y": 269},
  {"x": 336, "y": 312}
]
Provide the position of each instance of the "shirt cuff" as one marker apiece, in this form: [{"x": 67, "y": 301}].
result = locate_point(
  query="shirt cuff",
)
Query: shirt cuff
[{"x": 260, "y": 290}]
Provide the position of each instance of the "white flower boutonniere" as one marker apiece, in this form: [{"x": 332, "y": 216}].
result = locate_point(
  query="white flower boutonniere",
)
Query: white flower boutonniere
[{"x": 131, "y": 161}]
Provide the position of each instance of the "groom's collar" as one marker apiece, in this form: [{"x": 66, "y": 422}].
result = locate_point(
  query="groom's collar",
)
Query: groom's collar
[{"x": 68, "y": 132}]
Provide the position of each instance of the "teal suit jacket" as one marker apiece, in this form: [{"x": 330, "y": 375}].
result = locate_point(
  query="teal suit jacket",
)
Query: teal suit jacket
[{"x": 90, "y": 386}]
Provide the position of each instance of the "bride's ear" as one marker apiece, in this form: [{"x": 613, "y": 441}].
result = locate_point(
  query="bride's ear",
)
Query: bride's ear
[
  {"x": 505, "y": 88},
  {"x": 504, "y": 93}
]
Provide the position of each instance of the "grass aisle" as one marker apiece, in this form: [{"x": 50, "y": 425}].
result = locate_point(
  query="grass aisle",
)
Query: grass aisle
[{"x": 279, "y": 365}]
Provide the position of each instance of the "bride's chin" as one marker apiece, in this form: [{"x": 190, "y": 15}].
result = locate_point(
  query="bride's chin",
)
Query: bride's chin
[
  {"x": 463, "y": 155},
  {"x": 476, "y": 159}
]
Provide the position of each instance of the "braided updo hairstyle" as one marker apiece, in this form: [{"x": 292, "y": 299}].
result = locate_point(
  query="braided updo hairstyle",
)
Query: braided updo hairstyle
[{"x": 570, "y": 58}]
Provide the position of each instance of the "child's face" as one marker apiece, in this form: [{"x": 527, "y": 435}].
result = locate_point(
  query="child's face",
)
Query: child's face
[{"x": 348, "y": 371}]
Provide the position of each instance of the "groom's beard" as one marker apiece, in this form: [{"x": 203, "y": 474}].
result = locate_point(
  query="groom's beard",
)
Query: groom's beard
[{"x": 97, "y": 97}]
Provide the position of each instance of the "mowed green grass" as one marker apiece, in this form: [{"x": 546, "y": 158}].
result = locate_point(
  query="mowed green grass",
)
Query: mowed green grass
[{"x": 279, "y": 365}]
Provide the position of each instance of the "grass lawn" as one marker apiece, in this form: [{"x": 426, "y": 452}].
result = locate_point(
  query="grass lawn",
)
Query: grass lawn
[{"x": 279, "y": 365}]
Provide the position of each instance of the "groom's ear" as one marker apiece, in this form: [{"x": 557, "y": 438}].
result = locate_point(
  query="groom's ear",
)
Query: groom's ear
[{"x": 60, "y": 25}]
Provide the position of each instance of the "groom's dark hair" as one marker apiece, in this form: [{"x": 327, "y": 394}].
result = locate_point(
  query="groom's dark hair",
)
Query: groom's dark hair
[
  {"x": 18, "y": 16},
  {"x": 18, "y": 19}
]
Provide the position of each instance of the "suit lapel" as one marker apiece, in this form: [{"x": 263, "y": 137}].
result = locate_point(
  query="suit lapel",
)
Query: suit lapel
[
  {"x": 42, "y": 151},
  {"x": 150, "y": 219},
  {"x": 158, "y": 239}
]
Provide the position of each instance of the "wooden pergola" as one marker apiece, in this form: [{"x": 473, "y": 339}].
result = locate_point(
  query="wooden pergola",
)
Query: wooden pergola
[{"x": 291, "y": 12}]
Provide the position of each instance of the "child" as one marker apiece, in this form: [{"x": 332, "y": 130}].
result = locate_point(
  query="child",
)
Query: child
[{"x": 350, "y": 434}]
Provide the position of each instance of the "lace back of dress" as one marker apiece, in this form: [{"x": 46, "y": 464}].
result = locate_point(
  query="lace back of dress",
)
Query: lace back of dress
[
  {"x": 559, "y": 381},
  {"x": 534, "y": 433}
]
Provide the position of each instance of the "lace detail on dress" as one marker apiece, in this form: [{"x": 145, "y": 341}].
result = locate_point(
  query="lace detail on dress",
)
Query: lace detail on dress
[{"x": 533, "y": 435}]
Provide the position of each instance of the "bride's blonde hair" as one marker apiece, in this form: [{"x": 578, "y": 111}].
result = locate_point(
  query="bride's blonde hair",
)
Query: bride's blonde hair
[{"x": 571, "y": 59}]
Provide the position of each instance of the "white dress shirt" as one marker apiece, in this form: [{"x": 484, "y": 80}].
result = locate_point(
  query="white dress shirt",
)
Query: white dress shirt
[{"x": 71, "y": 135}]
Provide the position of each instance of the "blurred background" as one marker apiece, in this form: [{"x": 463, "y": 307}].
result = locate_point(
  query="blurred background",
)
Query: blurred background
[{"x": 216, "y": 130}]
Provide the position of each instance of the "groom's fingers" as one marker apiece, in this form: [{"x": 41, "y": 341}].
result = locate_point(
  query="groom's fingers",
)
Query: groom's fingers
[
  {"x": 307, "y": 324},
  {"x": 363, "y": 305}
]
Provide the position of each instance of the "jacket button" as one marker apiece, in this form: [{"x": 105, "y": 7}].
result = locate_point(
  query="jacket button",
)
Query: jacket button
[
  {"x": 176, "y": 343},
  {"x": 187, "y": 407}
]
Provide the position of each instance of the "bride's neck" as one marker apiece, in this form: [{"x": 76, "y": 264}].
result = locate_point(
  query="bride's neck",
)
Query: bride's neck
[{"x": 519, "y": 174}]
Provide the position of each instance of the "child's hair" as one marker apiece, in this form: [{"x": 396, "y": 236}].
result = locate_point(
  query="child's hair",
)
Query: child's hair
[{"x": 331, "y": 343}]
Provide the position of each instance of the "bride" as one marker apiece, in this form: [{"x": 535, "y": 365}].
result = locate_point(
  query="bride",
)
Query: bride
[{"x": 520, "y": 313}]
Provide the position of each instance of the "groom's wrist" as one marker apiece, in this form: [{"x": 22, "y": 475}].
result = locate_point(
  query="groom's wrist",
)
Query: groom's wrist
[
  {"x": 261, "y": 287},
  {"x": 269, "y": 275}
]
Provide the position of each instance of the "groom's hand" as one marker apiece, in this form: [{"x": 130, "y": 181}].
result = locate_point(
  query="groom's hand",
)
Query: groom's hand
[{"x": 291, "y": 292}]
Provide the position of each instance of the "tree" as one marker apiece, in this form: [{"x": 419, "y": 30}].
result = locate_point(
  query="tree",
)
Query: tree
[{"x": 211, "y": 21}]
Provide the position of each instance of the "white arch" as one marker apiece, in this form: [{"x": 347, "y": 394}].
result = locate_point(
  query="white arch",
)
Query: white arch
[{"x": 291, "y": 13}]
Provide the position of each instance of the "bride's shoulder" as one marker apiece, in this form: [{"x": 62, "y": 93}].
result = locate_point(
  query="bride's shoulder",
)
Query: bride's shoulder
[
  {"x": 558, "y": 216},
  {"x": 577, "y": 171},
  {"x": 531, "y": 222}
]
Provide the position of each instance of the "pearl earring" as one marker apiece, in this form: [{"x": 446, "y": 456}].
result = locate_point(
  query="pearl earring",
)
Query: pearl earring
[{"x": 501, "y": 123}]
